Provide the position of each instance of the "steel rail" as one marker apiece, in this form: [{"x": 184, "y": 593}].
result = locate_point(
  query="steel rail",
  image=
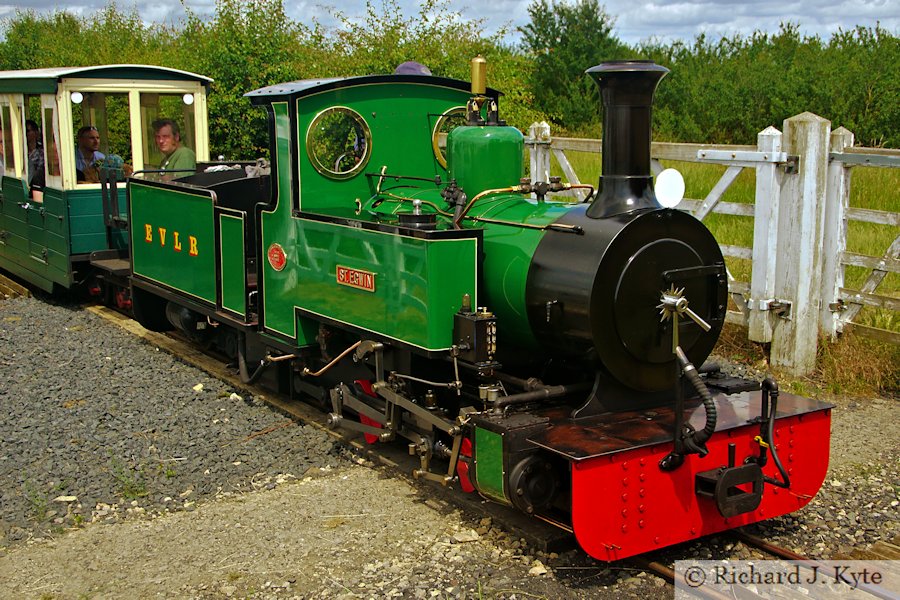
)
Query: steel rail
[
  {"x": 668, "y": 573},
  {"x": 806, "y": 562}
]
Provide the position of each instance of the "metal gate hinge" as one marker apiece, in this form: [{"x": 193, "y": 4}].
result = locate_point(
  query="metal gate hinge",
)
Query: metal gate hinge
[
  {"x": 781, "y": 308},
  {"x": 791, "y": 165},
  {"x": 838, "y": 306}
]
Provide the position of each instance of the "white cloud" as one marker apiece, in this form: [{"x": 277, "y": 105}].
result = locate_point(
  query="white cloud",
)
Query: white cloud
[
  {"x": 636, "y": 20},
  {"x": 686, "y": 19}
]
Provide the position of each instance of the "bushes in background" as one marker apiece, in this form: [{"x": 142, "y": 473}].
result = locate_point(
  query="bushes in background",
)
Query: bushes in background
[{"x": 719, "y": 91}]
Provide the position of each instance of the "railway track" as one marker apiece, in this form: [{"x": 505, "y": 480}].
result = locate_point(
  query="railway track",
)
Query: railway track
[
  {"x": 666, "y": 572},
  {"x": 12, "y": 289},
  {"x": 883, "y": 551}
]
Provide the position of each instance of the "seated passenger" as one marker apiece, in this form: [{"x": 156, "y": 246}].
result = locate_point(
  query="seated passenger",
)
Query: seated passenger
[
  {"x": 176, "y": 157},
  {"x": 87, "y": 155}
]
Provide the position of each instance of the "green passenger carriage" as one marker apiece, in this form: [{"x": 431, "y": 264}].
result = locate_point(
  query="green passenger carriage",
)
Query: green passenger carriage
[{"x": 53, "y": 220}]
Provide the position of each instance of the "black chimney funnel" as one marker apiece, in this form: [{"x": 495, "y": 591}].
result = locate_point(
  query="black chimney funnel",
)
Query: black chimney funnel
[{"x": 626, "y": 89}]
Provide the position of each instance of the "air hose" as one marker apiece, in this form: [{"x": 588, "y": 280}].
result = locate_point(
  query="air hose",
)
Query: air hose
[
  {"x": 696, "y": 441},
  {"x": 770, "y": 392}
]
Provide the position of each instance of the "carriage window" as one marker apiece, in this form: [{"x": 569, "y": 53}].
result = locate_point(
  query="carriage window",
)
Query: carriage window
[
  {"x": 51, "y": 142},
  {"x": 101, "y": 128},
  {"x": 339, "y": 143},
  {"x": 34, "y": 140},
  {"x": 7, "y": 153},
  {"x": 172, "y": 116},
  {"x": 449, "y": 120}
]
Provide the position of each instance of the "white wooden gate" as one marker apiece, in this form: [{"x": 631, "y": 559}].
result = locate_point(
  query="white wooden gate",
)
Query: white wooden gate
[{"x": 796, "y": 290}]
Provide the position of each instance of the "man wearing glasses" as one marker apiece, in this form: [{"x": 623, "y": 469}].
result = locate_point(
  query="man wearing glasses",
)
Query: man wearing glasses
[{"x": 88, "y": 154}]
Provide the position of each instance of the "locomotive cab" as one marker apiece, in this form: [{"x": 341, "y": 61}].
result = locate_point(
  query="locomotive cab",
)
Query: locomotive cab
[{"x": 359, "y": 165}]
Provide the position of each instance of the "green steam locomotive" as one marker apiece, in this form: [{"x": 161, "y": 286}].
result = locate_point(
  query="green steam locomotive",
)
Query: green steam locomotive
[{"x": 393, "y": 264}]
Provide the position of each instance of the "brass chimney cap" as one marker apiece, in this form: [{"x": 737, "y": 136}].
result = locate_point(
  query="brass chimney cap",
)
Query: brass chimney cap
[{"x": 479, "y": 75}]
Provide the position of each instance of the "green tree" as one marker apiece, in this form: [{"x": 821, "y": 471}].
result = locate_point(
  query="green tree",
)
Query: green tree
[
  {"x": 436, "y": 36},
  {"x": 860, "y": 84},
  {"x": 726, "y": 91},
  {"x": 564, "y": 39},
  {"x": 60, "y": 39},
  {"x": 509, "y": 71},
  {"x": 245, "y": 46},
  {"x": 32, "y": 41},
  {"x": 719, "y": 90}
]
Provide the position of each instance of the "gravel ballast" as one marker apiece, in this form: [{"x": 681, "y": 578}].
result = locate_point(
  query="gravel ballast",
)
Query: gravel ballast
[
  {"x": 127, "y": 473},
  {"x": 93, "y": 413}
]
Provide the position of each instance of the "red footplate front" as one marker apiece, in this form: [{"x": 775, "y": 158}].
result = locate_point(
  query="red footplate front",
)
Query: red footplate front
[{"x": 623, "y": 504}]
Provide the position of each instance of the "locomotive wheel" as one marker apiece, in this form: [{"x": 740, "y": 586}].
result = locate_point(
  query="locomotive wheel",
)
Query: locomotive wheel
[
  {"x": 462, "y": 467},
  {"x": 534, "y": 484},
  {"x": 149, "y": 310},
  {"x": 366, "y": 386}
]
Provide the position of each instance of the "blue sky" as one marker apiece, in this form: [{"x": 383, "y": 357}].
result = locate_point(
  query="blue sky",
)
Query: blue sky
[{"x": 636, "y": 20}]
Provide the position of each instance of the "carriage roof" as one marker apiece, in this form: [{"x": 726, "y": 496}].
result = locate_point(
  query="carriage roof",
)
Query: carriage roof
[{"x": 46, "y": 81}]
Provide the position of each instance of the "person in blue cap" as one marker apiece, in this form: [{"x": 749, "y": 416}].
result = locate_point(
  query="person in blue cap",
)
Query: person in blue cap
[{"x": 412, "y": 67}]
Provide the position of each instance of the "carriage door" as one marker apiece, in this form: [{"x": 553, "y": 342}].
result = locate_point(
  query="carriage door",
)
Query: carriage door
[
  {"x": 42, "y": 160},
  {"x": 98, "y": 219}
]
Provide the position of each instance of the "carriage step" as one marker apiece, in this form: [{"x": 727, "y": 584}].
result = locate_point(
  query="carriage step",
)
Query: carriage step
[{"x": 119, "y": 267}]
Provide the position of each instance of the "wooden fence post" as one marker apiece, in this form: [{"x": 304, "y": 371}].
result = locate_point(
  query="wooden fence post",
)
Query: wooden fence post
[
  {"x": 539, "y": 146},
  {"x": 801, "y": 218},
  {"x": 765, "y": 238},
  {"x": 837, "y": 201}
]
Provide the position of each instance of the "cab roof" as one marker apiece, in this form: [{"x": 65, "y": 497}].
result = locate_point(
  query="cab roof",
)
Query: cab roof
[
  {"x": 46, "y": 81},
  {"x": 307, "y": 87}
]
